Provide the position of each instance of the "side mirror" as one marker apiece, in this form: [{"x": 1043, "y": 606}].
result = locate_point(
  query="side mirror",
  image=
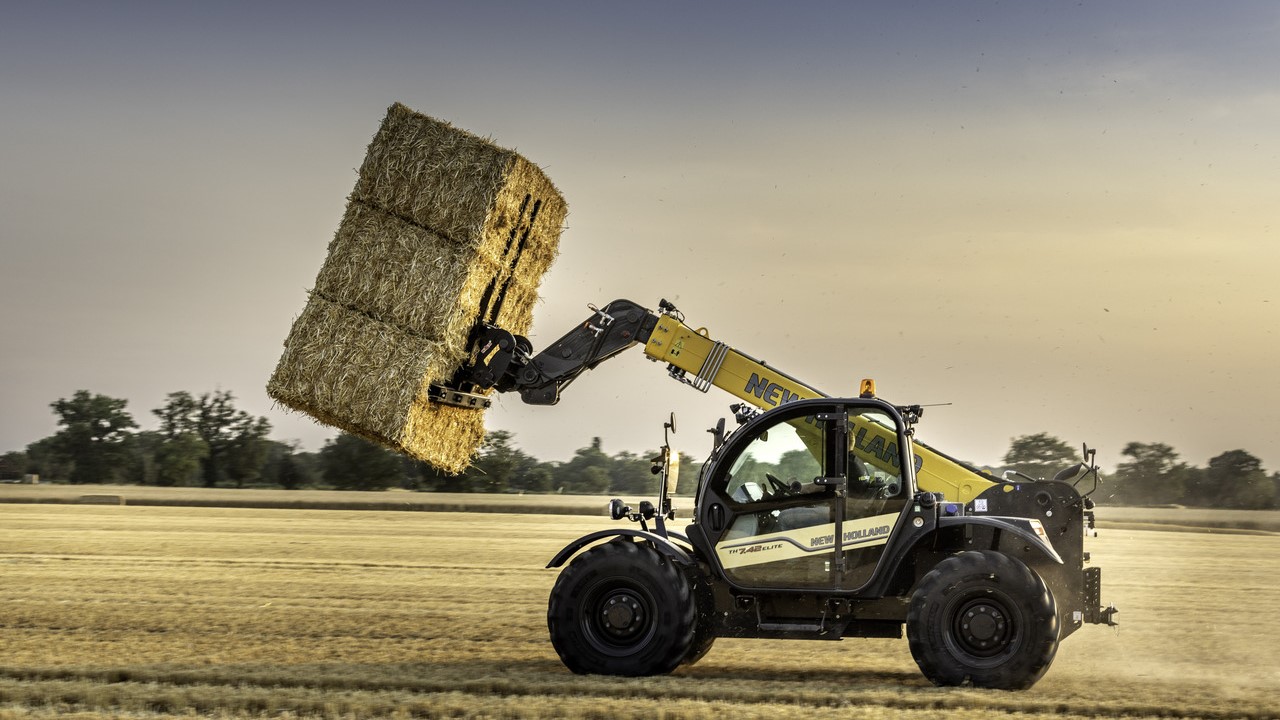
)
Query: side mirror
[
  {"x": 1071, "y": 474},
  {"x": 717, "y": 435}
]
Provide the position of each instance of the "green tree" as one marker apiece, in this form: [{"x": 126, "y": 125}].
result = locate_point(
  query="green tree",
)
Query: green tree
[
  {"x": 432, "y": 479},
  {"x": 178, "y": 459},
  {"x": 632, "y": 474},
  {"x": 236, "y": 441},
  {"x": 689, "y": 470},
  {"x": 93, "y": 435},
  {"x": 499, "y": 466},
  {"x": 534, "y": 477},
  {"x": 1040, "y": 455},
  {"x": 308, "y": 467},
  {"x": 587, "y": 472},
  {"x": 798, "y": 465},
  {"x": 13, "y": 465},
  {"x": 1153, "y": 474},
  {"x": 285, "y": 466},
  {"x": 44, "y": 459},
  {"x": 178, "y": 415},
  {"x": 748, "y": 466},
  {"x": 246, "y": 452},
  {"x": 288, "y": 475},
  {"x": 591, "y": 480},
  {"x": 496, "y": 464},
  {"x": 353, "y": 463},
  {"x": 1235, "y": 479},
  {"x": 140, "y": 467},
  {"x": 1196, "y": 488}
]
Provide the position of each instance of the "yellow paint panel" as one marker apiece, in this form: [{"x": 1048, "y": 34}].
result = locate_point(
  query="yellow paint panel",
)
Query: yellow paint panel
[{"x": 748, "y": 379}]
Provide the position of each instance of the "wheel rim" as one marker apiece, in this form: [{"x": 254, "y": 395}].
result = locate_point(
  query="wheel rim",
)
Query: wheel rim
[
  {"x": 983, "y": 626},
  {"x": 619, "y": 617}
]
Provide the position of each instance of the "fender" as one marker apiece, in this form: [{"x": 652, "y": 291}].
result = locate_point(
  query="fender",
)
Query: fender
[
  {"x": 1026, "y": 528},
  {"x": 664, "y": 545}
]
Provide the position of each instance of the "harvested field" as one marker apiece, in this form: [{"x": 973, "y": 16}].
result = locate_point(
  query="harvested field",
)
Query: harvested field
[
  {"x": 595, "y": 505},
  {"x": 124, "y": 611}
]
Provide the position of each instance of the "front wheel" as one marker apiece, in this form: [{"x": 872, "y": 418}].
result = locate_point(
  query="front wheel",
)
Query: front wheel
[
  {"x": 621, "y": 608},
  {"x": 704, "y": 632},
  {"x": 982, "y": 618}
]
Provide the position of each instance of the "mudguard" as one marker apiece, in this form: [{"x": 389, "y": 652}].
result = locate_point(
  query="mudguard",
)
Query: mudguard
[
  {"x": 664, "y": 545},
  {"x": 1026, "y": 528}
]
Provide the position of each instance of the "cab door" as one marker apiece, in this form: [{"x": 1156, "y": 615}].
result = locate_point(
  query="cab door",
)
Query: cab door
[{"x": 793, "y": 501}]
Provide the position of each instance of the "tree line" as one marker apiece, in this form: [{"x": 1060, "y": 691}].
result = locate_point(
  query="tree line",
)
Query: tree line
[
  {"x": 204, "y": 440},
  {"x": 1153, "y": 474}
]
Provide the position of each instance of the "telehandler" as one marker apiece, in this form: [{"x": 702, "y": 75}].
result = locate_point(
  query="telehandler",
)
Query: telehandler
[{"x": 870, "y": 532}]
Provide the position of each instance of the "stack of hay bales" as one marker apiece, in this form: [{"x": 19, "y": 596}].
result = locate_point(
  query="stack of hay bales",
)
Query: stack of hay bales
[{"x": 443, "y": 230}]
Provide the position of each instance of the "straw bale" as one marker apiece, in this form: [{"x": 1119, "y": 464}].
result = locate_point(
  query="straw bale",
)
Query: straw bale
[
  {"x": 534, "y": 248},
  {"x": 440, "y": 224},
  {"x": 442, "y": 230},
  {"x": 370, "y": 378},
  {"x": 445, "y": 436},
  {"x": 459, "y": 186},
  {"x": 407, "y": 276},
  {"x": 446, "y": 179}
]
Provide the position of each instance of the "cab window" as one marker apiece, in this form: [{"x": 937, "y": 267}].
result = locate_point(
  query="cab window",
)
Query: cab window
[{"x": 778, "y": 458}]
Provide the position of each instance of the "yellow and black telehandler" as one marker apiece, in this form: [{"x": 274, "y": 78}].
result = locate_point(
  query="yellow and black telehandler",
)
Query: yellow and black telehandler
[{"x": 869, "y": 533}]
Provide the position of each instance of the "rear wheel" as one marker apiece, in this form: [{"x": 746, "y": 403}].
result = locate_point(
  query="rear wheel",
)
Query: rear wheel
[
  {"x": 982, "y": 618},
  {"x": 621, "y": 608}
]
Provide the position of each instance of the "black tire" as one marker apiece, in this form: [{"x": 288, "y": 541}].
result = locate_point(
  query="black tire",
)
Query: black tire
[
  {"x": 621, "y": 608},
  {"x": 985, "y": 619},
  {"x": 704, "y": 628}
]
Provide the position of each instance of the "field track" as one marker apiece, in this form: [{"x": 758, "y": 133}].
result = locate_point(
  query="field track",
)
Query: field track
[{"x": 149, "y": 612}]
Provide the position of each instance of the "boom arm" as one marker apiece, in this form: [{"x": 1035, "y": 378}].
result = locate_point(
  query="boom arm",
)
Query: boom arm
[{"x": 501, "y": 361}]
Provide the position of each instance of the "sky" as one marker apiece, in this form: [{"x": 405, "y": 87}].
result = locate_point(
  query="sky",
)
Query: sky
[{"x": 1042, "y": 217}]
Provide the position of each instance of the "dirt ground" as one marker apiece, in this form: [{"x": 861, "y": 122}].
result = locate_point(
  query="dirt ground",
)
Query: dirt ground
[{"x": 149, "y": 612}]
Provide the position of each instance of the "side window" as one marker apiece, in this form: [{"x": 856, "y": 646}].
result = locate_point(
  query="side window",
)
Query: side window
[
  {"x": 875, "y": 498},
  {"x": 778, "y": 510},
  {"x": 875, "y": 468},
  {"x": 778, "y": 460}
]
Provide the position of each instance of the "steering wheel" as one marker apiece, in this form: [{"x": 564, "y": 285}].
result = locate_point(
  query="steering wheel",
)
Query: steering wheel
[{"x": 780, "y": 488}]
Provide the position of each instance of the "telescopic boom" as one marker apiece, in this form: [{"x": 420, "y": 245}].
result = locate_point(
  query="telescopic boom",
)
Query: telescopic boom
[{"x": 505, "y": 362}]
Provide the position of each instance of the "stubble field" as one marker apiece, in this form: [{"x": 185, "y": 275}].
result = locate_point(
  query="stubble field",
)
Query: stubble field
[{"x": 153, "y": 612}]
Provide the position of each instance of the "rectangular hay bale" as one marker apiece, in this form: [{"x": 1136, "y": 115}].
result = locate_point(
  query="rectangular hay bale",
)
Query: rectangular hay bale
[
  {"x": 413, "y": 278},
  {"x": 472, "y": 203},
  {"x": 456, "y": 183},
  {"x": 406, "y": 275},
  {"x": 442, "y": 230},
  {"x": 370, "y": 378}
]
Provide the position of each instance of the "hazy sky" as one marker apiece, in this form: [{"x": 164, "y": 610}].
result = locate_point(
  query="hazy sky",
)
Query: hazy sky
[{"x": 1056, "y": 217}]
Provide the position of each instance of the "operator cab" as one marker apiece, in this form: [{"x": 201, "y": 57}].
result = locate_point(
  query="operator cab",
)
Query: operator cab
[{"x": 807, "y": 495}]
